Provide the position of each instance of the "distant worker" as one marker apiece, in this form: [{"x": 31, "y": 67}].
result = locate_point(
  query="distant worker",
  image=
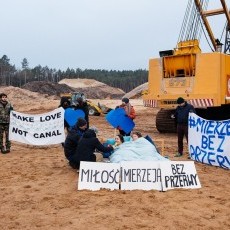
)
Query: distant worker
[
  {"x": 181, "y": 115},
  {"x": 130, "y": 112},
  {"x": 5, "y": 108},
  {"x": 72, "y": 139}
]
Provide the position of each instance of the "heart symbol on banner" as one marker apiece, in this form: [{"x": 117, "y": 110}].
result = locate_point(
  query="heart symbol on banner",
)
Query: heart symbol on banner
[
  {"x": 71, "y": 115},
  {"x": 117, "y": 117}
]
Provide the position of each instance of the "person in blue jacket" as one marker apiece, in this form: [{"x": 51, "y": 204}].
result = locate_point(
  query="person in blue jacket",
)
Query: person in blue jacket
[{"x": 181, "y": 115}]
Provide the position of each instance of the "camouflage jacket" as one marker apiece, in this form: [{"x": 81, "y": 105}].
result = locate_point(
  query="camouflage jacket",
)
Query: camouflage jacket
[{"x": 5, "y": 113}]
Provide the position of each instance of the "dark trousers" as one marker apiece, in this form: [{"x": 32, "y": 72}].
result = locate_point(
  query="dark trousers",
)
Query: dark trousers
[{"x": 182, "y": 130}]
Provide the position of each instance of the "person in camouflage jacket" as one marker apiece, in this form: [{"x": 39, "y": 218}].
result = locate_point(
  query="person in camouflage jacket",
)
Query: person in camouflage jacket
[{"x": 5, "y": 108}]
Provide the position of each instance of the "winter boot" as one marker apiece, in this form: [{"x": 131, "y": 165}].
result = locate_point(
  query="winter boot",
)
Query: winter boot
[
  {"x": 3, "y": 150},
  {"x": 7, "y": 150}
]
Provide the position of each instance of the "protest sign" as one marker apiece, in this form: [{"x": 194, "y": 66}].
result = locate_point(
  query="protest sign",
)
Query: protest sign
[
  {"x": 179, "y": 174},
  {"x": 118, "y": 118},
  {"x": 209, "y": 141},
  {"x": 41, "y": 129},
  {"x": 96, "y": 176},
  {"x": 72, "y": 115},
  {"x": 141, "y": 175}
]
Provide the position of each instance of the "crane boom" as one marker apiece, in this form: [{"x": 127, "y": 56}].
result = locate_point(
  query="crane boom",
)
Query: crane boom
[
  {"x": 205, "y": 14},
  {"x": 202, "y": 78}
]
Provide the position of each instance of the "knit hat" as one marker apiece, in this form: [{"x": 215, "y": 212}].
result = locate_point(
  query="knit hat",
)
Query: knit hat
[
  {"x": 180, "y": 100},
  {"x": 81, "y": 122},
  {"x": 125, "y": 99}
]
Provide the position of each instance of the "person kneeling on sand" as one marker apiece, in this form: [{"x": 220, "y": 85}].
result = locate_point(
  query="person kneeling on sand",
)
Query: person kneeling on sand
[
  {"x": 87, "y": 147},
  {"x": 72, "y": 139}
]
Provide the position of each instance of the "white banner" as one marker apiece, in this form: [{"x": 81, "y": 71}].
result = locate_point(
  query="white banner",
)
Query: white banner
[
  {"x": 209, "y": 141},
  {"x": 179, "y": 174},
  {"x": 96, "y": 176},
  {"x": 143, "y": 175},
  {"x": 39, "y": 129}
]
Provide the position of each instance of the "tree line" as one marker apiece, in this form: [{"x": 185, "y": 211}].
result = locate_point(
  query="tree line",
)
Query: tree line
[{"x": 125, "y": 79}]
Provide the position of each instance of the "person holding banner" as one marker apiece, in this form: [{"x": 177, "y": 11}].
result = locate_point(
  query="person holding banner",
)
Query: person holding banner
[
  {"x": 81, "y": 104},
  {"x": 65, "y": 104},
  {"x": 5, "y": 108},
  {"x": 87, "y": 147},
  {"x": 130, "y": 112},
  {"x": 181, "y": 115},
  {"x": 72, "y": 139}
]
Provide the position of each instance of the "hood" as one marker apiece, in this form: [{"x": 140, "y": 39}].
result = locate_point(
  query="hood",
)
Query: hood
[
  {"x": 76, "y": 129},
  {"x": 89, "y": 134},
  {"x": 64, "y": 100}
]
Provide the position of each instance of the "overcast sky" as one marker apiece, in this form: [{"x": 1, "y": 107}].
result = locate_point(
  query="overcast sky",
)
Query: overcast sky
[{"x": 93, "y": 34}]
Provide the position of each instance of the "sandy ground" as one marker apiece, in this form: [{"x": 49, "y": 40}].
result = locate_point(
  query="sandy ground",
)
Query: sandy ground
[{"x": 38, "y": 189}]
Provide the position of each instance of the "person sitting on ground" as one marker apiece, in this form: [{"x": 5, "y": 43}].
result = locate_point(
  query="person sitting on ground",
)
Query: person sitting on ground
[
  {"x": 119, "y": 139},
  {"x": 135, "y": 135},
  {"x": 87, "y": 147},
  {"x": 73, "y": 137},
  {"x": 139, "y": 149},
  {"x": 116, "y": 142}
]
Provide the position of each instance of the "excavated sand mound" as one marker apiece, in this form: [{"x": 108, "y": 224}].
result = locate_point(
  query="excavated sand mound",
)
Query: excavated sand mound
[
  {"x": 25, "y": 100},
  {"x": 137, "y": 92},
  {"x": 81, "y": 82},
  {"x": 91, "y": 88},
  {"x": 49, "y": 88}
]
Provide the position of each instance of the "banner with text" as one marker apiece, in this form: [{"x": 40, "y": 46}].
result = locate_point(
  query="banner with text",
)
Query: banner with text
[
  {"x": 96, "y": 176},
  {"x": 209, "y": 141},
  {"x": 179, "y": 174},
  {"x": 142, "y": 175},
  {"x": 41, "y": 129}
]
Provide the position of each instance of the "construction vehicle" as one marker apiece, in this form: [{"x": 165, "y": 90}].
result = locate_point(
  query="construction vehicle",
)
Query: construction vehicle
[
  {"x": 94, "y": 110},
  {"x": 202, "y": 79}
]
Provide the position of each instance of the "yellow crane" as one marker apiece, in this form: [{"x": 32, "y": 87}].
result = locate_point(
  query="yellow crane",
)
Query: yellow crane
[{"x": 203, "y": 79}]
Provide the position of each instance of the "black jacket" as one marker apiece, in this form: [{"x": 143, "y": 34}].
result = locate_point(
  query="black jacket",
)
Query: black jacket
[
  {"x": 71, "y": 141},
  {"x": 87, "y": 146},
  {"x": 182, "y": 113}
]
